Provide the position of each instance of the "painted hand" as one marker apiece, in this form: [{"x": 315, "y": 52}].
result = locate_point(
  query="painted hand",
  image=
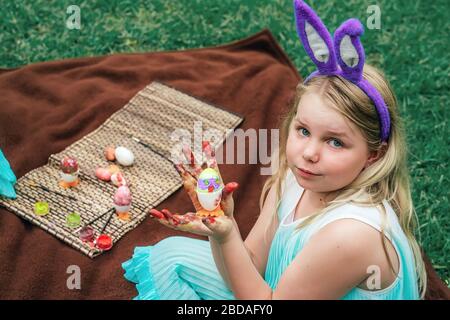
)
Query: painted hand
[
  {"x": 190, "y": 174},
  {"x": 217, "y": 227}
]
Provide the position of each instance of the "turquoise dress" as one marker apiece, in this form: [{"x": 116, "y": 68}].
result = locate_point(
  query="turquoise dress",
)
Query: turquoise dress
[
  {"x": 184, "y": 268},
  {"x": 7, "y": 178}
]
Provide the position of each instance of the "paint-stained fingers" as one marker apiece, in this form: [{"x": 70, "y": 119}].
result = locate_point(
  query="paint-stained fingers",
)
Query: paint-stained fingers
[
  {"x": 194, "y": 198},
  {"x": 188, "y": 222},
  {"x": 174, "y": 219},
  {"x": 189, "y": 184},
  {"x": 194, "y": 167},
  {"x": 210, "y": 155},
  {"x": 163, "y": 215},
  {"x": 189, "y": 217},
  {"x": 185, "y": 174},
  {"x": 219, "y": 226},
  {"x": 162, "y": 218},
  {"x": 156, "y": 214},
  {"x": 212, "y": 163},
  {"x": 226, "y": 201},
  {"x": 189, "y": 181}
]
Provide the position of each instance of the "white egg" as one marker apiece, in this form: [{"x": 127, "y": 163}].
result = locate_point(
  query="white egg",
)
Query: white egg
[
  {"x": 124, "y": 156},
  {"x": 208, "y": 200}
]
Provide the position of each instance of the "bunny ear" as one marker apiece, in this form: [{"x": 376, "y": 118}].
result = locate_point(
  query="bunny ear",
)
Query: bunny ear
[
  {"x": 349, "y": 50},
  {"x": 315, "y": 38}
]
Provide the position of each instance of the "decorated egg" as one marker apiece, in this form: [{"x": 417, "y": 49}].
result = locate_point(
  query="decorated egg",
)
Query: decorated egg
[
  {"x": 69, "y": 165},
  {"x": 122, "y": 196},
  {"x": 122, "y": 199},
  {"x": 69, "y": 172},
  {"x": 209, "y": 189},
  {"x": 124, "y": 156}
]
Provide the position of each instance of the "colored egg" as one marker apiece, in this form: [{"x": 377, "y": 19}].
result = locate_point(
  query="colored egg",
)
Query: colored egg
[
  {"x": 110, "y": 153},
  {"x": 209, "y": 181},
  {"x": 124, "y": 156},
  {"x": 122, "y": 197},
  {"x": 69, "y": 165},
  {"x": 103, "y": 174},
  {"x": 209, "y": 189},
  {"x": 211, "y": 200}
]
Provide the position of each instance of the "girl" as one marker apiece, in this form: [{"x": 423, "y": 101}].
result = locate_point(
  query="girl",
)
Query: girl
[{"x": 337, "y": 219}]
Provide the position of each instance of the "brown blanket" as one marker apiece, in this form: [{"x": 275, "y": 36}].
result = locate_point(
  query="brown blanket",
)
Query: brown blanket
[{"x": 45, "y": 107}]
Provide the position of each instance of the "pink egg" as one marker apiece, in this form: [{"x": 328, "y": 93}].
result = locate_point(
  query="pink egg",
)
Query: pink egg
[
  {"x": 122, "y": 196},
  {"x": 103, "y": 174}
]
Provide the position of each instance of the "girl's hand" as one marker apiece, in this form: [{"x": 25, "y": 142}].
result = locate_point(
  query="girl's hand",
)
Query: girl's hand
[
  {"x": 216, "y": 227},
  {"x": 191, "y": 173}
]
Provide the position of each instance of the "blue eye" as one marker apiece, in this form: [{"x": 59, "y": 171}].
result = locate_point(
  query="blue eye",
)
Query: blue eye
[
  {"x": 303, "y": 131},
  {"x": 338, "y": 145}
]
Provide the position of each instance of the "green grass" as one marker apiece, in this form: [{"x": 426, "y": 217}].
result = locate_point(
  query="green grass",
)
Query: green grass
[{"x": 411, "y": 47}]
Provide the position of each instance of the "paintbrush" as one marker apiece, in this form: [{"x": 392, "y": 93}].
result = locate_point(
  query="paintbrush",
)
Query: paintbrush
[
  {"x": 149, "y": 147},
  {"x": 35, "y": 184},
  {"x": 107, "y": 222},
  {"x": 94, "y": 220}
]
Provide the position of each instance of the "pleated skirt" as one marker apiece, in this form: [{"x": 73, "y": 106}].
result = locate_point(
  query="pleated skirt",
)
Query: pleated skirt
[{"x": 176, "y": 268}]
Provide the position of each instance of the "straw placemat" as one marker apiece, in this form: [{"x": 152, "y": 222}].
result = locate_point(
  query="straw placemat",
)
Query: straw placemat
[{"x": 151, "y": 115}]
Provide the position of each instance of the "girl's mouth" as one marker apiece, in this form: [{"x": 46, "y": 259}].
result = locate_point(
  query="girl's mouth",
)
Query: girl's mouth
[{"x": 306, "y": 174}]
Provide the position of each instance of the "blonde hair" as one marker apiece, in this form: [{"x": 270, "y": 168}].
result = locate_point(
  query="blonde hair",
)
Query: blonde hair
[{"x": 387, "y": 178}]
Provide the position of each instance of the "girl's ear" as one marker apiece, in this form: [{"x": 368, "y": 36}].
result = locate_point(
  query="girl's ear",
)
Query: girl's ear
[
  {"x": 315, "y": 38},
  {"x": 349, "y": 50},
  {"x": 375, "y": 155}
]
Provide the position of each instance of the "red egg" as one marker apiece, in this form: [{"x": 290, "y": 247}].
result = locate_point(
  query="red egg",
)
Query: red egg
[{"x": 69, "y": 165}]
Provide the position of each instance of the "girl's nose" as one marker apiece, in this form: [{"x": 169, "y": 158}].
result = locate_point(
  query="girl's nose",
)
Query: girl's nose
[{"x": 311, "y": 152}]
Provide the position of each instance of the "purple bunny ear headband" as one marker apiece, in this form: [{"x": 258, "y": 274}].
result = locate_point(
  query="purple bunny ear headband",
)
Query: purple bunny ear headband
[{"x": 342, "y": 56}]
